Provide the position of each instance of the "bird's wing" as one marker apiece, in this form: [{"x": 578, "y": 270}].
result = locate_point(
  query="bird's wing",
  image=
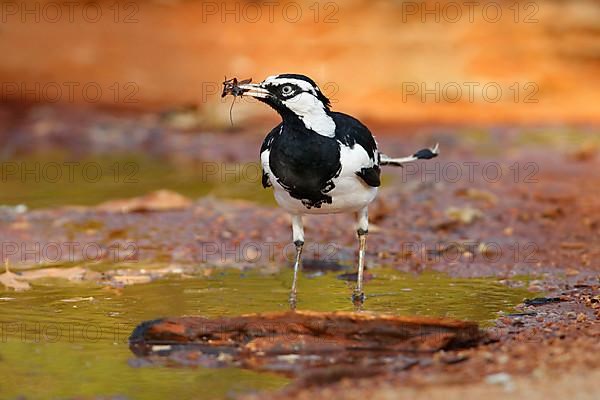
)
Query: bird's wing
[
  {"x": 351, "y": 133},
  {"x": 264, "y": 154},
  {"x": 371, "y": 176}
]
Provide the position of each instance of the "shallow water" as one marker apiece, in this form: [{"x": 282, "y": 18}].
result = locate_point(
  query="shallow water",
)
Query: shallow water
[
  {"x": 52, "y": 348},
  {"x": 49, "y": 181}
]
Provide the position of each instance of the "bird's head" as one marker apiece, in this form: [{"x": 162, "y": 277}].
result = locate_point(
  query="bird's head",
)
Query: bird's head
[{"x": 291, "y": 95}]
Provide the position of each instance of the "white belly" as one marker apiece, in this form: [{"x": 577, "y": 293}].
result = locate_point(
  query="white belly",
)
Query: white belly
[{"x": 350, "y": 194}]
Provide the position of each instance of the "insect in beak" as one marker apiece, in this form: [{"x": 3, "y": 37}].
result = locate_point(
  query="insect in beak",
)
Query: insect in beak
[{"x": 232, "y": 87}]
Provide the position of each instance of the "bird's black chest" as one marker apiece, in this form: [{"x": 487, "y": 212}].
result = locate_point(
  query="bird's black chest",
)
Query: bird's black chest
[{"x": 305, "y": 163}]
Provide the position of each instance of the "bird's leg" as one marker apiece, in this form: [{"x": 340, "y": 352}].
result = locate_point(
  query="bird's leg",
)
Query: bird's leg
[
  {"x": 358, "y": 297},
  {"x": 298, "y": 235},
  {"x": 293, "y": 296}
]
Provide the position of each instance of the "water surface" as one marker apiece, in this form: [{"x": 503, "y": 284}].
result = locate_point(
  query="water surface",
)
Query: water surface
[
  {"x": 67, "y": 340},
  {"x": 55, "y": 180}
]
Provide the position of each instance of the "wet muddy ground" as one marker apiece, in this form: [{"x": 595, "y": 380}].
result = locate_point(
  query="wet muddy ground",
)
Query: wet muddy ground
[
  {"x": 520, "y": 206},
  {"x": 543, "y": 351}
]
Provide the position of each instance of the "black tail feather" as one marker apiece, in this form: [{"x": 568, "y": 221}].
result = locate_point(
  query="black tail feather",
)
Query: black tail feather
[{"x": 425, "y": 154}]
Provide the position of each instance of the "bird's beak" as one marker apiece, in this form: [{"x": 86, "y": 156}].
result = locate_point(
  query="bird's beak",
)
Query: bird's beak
[{"x": 254, "y": 90}]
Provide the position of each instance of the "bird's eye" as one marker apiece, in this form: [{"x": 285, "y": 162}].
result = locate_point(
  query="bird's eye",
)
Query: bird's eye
[{"x": 287, "y": 90}]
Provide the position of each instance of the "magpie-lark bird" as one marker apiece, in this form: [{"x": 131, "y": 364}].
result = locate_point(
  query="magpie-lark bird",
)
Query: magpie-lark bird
[{"x": 316, "y": 160}]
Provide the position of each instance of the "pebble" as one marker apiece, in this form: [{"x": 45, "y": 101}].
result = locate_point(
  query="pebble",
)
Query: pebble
[
  {"x": 158, "y": 347},
  {"x": 290, "y": 358},
  {"x": 503, "y": 379},
  {"x": 225, "y": 357},
  {"x": 503, "y": 359}
]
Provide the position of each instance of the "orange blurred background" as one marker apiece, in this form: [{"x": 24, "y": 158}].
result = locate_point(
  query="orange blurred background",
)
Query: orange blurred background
[{"x": 388, "y": 61}]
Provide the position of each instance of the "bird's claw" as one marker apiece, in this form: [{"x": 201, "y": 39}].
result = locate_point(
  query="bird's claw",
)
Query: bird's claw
[{"x": 358, "y": 298}]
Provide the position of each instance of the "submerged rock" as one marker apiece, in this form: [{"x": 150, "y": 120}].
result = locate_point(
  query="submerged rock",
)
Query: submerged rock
[{"x": 303, "y": 344}]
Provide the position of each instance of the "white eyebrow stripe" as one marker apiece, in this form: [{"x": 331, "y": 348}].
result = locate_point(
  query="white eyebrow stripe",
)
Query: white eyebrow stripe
[{"x": 275, "y": 80}]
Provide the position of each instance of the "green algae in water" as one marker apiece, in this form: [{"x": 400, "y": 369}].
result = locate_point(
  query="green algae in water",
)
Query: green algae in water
[
  {"x": 53, "y": 348},
  {"x": 53, "y": 180}
]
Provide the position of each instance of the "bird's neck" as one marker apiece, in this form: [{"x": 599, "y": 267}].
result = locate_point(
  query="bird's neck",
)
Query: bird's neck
[{"x": 317, "y": 120}]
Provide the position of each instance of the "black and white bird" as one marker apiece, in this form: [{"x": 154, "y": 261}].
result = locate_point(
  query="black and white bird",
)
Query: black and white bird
[{"x": 318, "y": 161}]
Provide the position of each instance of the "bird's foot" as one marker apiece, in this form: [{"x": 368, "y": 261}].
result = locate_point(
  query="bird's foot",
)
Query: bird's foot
[{"x": 358, "y": 298}]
